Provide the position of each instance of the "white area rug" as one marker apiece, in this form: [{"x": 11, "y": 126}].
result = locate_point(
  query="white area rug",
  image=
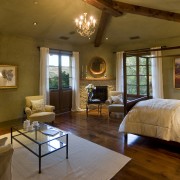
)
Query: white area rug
[{"x": 87, "y": 161}]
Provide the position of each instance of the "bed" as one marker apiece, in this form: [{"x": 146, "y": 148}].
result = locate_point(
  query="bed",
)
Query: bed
[{"x": 158, "y": 118}]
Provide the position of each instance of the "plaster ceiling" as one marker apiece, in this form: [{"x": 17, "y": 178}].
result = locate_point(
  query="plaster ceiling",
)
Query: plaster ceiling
[{"x": 55, "y": 18}]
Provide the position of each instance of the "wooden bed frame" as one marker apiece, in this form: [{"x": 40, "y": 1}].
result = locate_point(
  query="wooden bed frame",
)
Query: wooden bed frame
[{"x": 140, "y": 53}]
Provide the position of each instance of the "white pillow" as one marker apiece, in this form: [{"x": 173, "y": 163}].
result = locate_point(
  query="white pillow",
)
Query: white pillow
[
  {"x": 3, "y": 141},
  {"x": 37, "y": 106},
  {"x": 117, "y": 100}
]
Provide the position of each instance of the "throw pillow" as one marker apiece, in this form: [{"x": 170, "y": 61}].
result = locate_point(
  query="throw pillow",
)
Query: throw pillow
[
  {"x": 116, "y": 99},
  {"x": 37, "y": 106},
  {"x": 3, "y": 141}
]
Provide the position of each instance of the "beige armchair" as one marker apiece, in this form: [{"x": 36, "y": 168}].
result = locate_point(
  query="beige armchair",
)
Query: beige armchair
[
  {"x": 36, "y": 110},
  {"x": 115, "y": 102},
  {"x": 6, "y": 152}
]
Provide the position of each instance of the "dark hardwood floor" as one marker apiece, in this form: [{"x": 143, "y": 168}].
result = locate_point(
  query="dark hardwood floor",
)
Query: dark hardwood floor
[{"x": 151, "y": 158}]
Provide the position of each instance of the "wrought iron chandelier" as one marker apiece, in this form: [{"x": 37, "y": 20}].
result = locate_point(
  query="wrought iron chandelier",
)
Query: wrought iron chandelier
[{"x": 85, "y": 27}]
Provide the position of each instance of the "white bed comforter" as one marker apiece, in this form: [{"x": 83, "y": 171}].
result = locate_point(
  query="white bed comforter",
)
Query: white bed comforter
[{"x": 159, "y": 118}]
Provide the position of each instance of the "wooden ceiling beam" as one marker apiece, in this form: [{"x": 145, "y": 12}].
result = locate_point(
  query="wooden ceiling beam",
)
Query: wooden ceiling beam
[
  {"x": 106, "y": 6},
  {"x": 101, "y": 28},
  {"x": 114, "y": 7},
  {"x": 145, "y": 11}
]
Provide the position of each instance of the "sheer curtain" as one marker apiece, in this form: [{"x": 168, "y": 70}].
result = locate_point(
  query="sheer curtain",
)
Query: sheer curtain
[
  {"x": 119, "y": 72},
  {"x": 157, "y": 75},
  {"x": 44, "y": 73},
  {"x": 75, "y": 82}
]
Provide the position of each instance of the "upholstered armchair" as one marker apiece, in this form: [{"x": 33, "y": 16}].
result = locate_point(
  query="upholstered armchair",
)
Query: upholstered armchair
[
  {"x": 36, "y": 110},
  {"x": 6, "y": 152},
  {"x": 115, "y": 102}
]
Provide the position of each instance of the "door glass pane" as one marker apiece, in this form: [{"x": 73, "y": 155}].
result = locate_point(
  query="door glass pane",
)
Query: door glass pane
[
  {"x": 142, "y": 61},
  {"x": 150, "y": 90},
  {"x": 143, "y": 90},
  {"x": 143, "y": 80},
  {"x": 150, "y": 70},
  {"x": 150, "y": 85},
  {"x": 142, "y": 70},
  {"x": 66, "y": 71},
  {"x": 130, "y": 61},
  {"x": 131, "y": 89},
  {"x": 131, "y": 80},
  {"x": 65, "y": 61},
  {"x": 131, "y": 70},
  {"x": 53, "y": 72},
  {"x": 150, "y": 62}
]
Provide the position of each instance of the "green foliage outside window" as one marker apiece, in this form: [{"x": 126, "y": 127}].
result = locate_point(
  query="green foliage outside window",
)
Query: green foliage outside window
[
  {"x": 131, "y": 89},
  {"x": 137, "y": 73},
  {"x": 131, "y": 80},
  {"x": 65, "y": 79},
  {"x": 131, "y": 70},
  {"x": 53, "y": 80},
  {"x": 53, "y": 83}
]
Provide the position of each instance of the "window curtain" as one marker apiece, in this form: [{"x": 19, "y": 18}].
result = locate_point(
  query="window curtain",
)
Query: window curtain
[
  {"x": 75, "y": 82},
  {"x": 119, "y": 72},
  {"x": 157, "y": 75},
  {"x": 44, "y": 73}
]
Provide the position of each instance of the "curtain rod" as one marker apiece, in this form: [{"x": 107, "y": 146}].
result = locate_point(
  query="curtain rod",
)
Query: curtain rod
[
  {"x": 144, "y": 50},
  {"x": 163, "y": 48},
  {"x": 173, "y": 55},
  {"x": 57, "y": 49}
]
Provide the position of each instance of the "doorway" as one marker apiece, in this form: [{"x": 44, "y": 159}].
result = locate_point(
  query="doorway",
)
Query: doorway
[{"x": 60, "y": 80}]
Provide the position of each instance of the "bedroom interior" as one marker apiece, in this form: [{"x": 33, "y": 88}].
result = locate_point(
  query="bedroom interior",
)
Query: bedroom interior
[{"x": 125, "y": 31}]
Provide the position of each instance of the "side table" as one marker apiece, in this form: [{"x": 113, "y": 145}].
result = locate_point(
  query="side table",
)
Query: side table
[{"x": 97, "y": 102}]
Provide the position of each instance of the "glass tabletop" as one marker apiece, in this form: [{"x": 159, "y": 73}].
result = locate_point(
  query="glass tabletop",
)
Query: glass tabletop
[{"x": 40, "y": 134}]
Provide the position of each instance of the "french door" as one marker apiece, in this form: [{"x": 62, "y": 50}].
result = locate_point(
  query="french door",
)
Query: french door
[{"x": 60, "y": 80}]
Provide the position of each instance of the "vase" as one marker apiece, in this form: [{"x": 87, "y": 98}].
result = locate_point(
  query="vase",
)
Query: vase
[{"x": 90, "y": 95}]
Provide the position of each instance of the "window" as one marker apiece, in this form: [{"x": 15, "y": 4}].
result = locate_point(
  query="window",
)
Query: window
[
  {"x": 54, "y": 71},
  {"x": 138, "y": 75},
  {"x": 66, "y": 71},
  {"x": 60, "y": 71}
]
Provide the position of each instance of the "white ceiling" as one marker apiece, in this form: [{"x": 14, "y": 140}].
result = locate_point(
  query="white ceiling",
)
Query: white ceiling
[{"x": 55, "y": 18}]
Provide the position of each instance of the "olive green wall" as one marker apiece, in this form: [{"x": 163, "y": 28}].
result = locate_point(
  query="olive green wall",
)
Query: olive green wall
[{"x": 23, "y": 53}]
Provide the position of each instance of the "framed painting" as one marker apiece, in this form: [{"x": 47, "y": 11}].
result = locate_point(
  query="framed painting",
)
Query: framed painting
[
  {"x": 8, "y": 76},
  {"x": 177, "y": 73}
]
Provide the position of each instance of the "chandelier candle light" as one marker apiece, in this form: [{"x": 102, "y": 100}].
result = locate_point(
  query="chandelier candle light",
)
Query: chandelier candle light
[{"x": 85, "y": 27}]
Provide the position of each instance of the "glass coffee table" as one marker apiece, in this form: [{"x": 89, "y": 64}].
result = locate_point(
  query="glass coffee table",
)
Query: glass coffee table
[{"x": 42, "y": 140}]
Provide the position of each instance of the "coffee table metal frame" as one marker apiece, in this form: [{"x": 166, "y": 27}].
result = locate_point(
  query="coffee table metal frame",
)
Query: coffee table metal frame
[{"x": 40, "y": 144}]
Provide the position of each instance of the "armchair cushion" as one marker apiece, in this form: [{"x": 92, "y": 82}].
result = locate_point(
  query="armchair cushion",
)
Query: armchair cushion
[
  {"x": 117, "y": 99},
  {"x": 43, "y": 116},
  {"x": 28, "y": 111},
  {"x": 49, "y": 108},
  {"x": 36, "y": 110},
  {"x": 115, "y": 102},
  {"x": 37, "y": 105}
]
